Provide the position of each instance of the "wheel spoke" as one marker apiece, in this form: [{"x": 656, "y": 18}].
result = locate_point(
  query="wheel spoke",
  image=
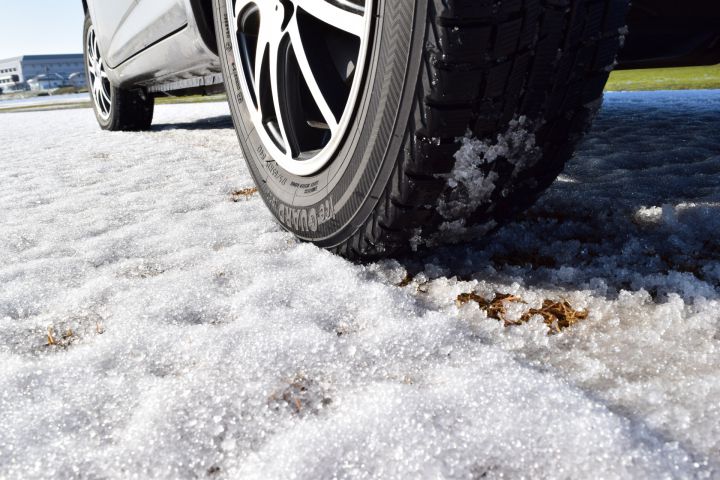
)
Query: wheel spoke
[
  {"x": 275, "y": 88},
  {"x": 263, "y": 40},
  {"x": 96, "y": 92},
  {"x": 268, "y": 47},
  {"x": 239, "y": 7},
  {"x": 95, "y": 54},
  {"x": 309, "y": 76},
  {"x": 333, "y": 15},
  {"x": 301, "y": 91},
  {"x": 104, "y": 93}
]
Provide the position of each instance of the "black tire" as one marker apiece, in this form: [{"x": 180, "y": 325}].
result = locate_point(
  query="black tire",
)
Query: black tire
[
  {"x": 129, "y": 109},
  {"x": 525, "y": 77}
]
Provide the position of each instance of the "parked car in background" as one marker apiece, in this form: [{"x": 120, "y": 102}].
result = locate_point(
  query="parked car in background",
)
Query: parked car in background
[
  {"x": 40, "y": 72},
  {"x": 48, "y": 81},
  {"x": 375, "y": 126}
]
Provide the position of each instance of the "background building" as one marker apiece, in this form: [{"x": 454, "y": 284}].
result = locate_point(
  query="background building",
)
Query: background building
[{"x": 16, "y": 73}]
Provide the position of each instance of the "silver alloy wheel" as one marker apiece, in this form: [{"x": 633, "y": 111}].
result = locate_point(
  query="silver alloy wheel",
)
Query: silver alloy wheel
[
  {"x": 301, "y": 65},
  {"x": 98, "y": 79}
]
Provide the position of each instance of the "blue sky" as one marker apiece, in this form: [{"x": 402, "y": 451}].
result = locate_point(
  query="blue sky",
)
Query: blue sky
[{"x": 30, "y": 27}]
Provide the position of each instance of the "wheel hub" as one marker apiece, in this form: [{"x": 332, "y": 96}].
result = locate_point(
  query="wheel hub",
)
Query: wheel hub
[{"x": 301, "y": 66}]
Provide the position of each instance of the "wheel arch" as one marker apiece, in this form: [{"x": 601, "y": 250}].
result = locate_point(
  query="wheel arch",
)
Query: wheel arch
[
  {"x": 202, "y": 12},
  {"x": 668, "y": 33}
]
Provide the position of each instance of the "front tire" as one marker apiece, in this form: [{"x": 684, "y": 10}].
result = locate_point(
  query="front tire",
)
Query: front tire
[
  {"x": 116, "y": 109},
  {"x": 466, "y": 112}
]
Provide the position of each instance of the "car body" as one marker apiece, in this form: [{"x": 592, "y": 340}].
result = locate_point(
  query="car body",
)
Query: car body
[{"x": 163, "y": 45}]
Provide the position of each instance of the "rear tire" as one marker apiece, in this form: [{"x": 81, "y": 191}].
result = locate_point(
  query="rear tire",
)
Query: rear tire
[
  {"x": 468, "y": 111},
  {"x": 115, "y": 108}
]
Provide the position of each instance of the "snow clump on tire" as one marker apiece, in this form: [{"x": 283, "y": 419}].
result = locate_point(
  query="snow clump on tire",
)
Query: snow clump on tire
[{"x": 472, "y": 180}]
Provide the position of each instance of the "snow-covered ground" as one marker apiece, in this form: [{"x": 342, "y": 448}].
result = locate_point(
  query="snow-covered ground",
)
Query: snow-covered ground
[{"x": 193, "y": 338}]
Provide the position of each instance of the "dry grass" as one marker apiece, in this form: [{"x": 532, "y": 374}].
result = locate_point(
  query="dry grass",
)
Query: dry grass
[
  {"x": 63, "y": 340},
  {"x": 495, "y": 308},
  {"x": 406, "y": 281},
  {"x": 557, "y": 315},
  {"x": 63, "y": 334},
  {"x": 421, "y": 287},
  {"x": 243, "y": 194}
]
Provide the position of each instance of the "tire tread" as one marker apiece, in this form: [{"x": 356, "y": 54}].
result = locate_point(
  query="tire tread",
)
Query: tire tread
[{"x": 485, "y": 62}]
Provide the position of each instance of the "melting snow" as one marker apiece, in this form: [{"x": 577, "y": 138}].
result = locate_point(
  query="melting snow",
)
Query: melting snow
[
  {"x": 195, "y": 338},
  {"x": 472, "y": 180}
]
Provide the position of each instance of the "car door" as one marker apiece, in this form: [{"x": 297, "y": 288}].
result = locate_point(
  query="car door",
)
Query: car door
[
  {"x": 127, "y": 27},
  {"x": 108, "y": 17}
]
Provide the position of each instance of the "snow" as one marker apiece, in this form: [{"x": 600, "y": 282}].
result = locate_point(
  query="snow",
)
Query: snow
[
  {"x": 470, "y": 181},
  {"x": 195, "y": 338}
]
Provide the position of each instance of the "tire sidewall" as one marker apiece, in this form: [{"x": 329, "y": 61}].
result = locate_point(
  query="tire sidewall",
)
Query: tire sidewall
[{"x": 328, "y": 207}]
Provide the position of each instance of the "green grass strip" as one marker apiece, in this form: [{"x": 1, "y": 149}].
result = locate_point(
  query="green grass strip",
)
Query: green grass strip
[{"x": 686, "y": 78}]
